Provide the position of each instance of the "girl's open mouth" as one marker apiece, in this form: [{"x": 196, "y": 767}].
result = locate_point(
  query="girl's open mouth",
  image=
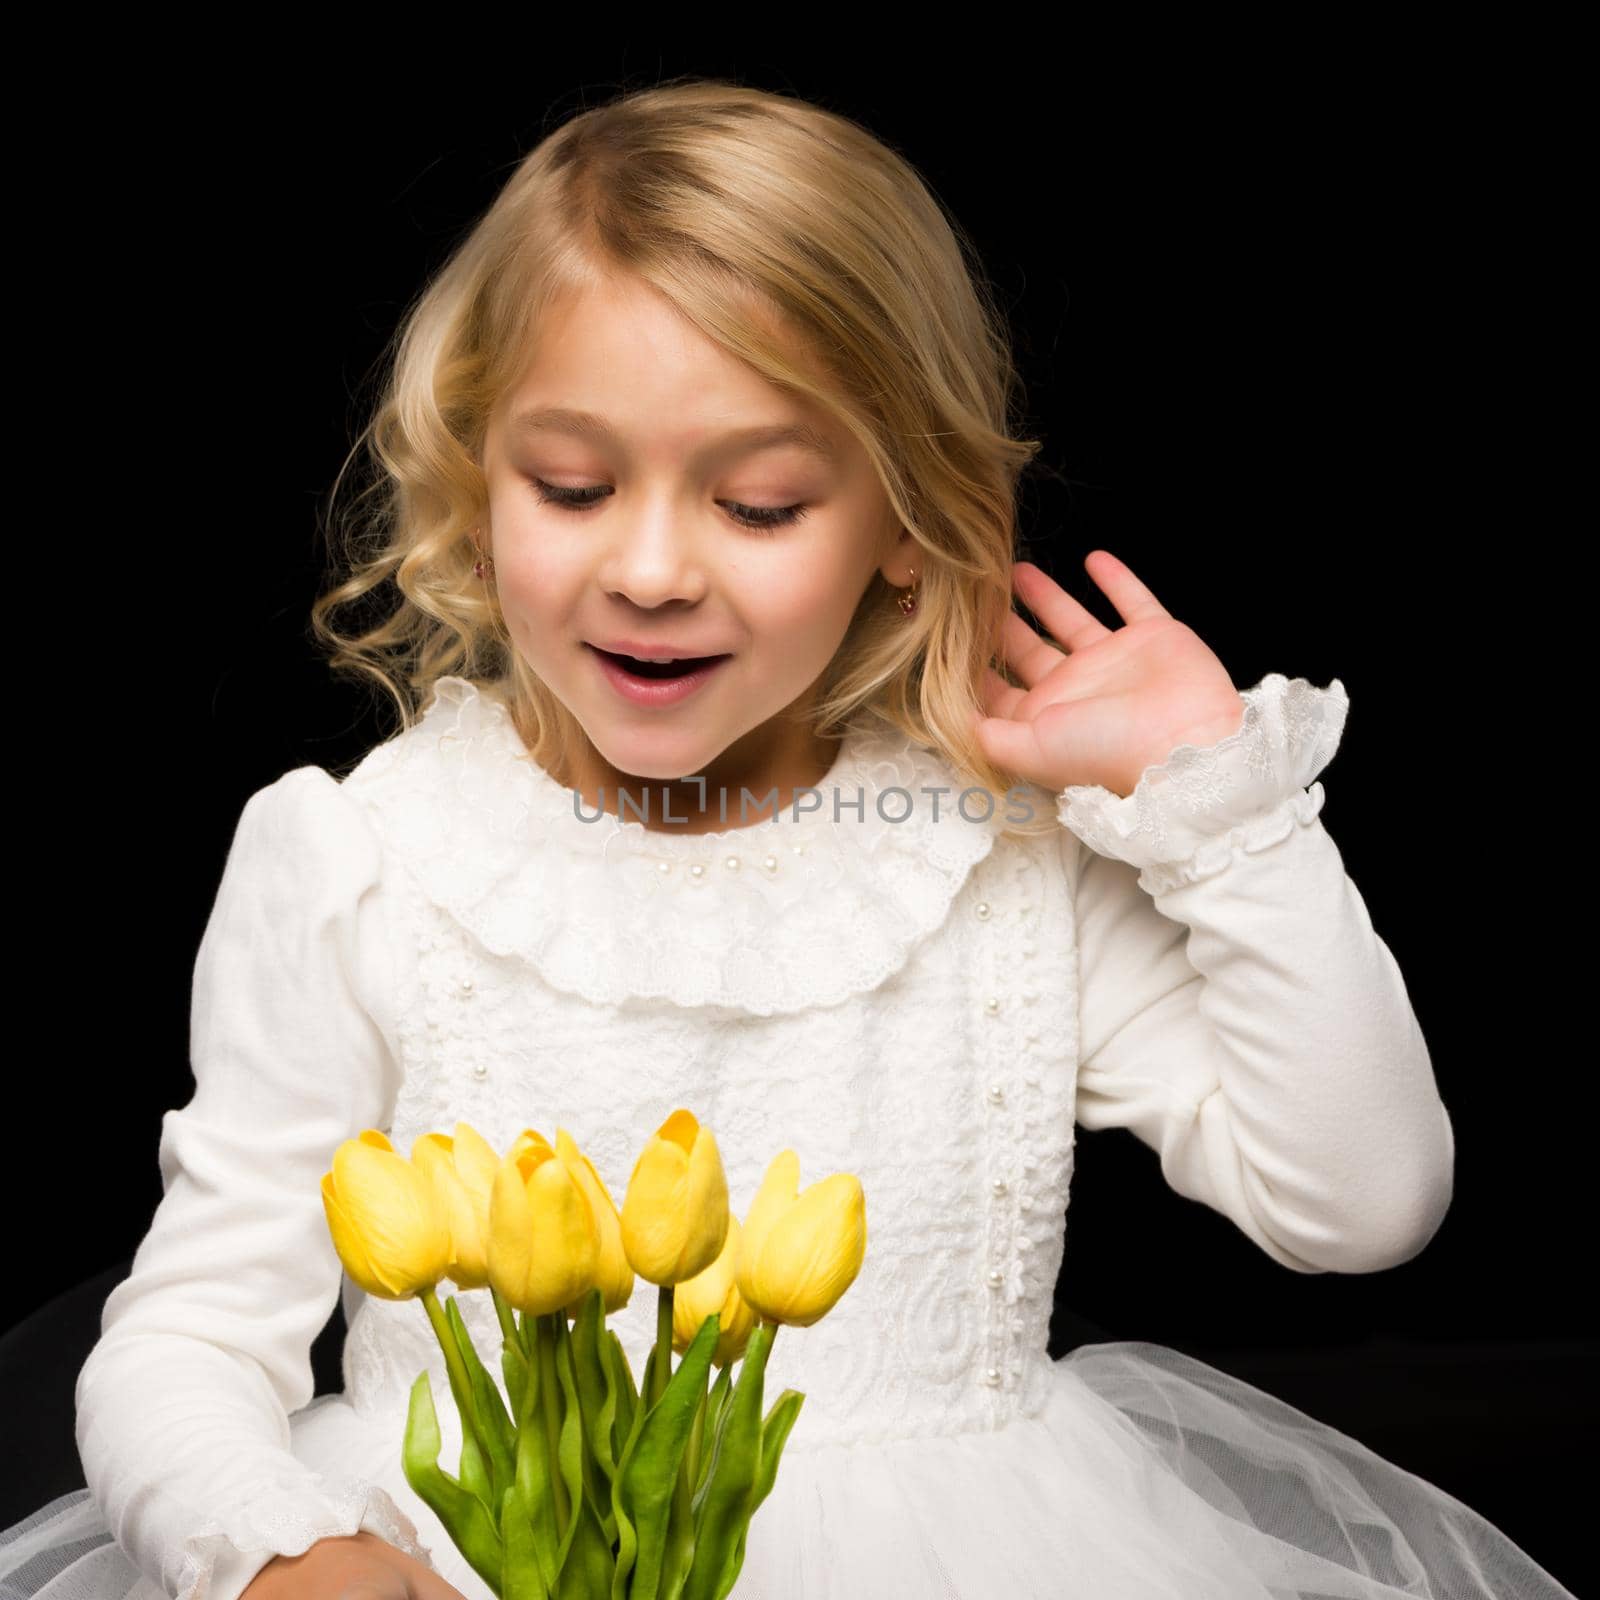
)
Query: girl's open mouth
[{"x": 656, "y": 683}]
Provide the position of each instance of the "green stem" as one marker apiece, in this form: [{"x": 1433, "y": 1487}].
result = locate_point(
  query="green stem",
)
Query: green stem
[
  {"x": 460, "y": 1383},
  {"x": 508, "y": 1317},
  {"x": 663, "y": 1343},
  {"x": 545, "y": 1333}
]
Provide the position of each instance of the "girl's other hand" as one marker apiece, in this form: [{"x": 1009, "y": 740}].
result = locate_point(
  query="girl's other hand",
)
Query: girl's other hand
[
  {"x": 1100, "y": 704},
  {"x": 361, "y": 1567}
]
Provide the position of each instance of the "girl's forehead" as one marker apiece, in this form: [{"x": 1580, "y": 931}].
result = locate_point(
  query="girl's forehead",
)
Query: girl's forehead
[
  {"x": 619, "y": 335},
  {"x": 619, "y": 369}
]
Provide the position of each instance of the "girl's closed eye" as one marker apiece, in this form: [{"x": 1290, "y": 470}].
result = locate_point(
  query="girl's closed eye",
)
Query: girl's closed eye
[{"x": 754, "y": 517}]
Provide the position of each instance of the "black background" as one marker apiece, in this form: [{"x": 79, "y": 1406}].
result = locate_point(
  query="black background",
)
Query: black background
[{"x": 1268, "y": 331}]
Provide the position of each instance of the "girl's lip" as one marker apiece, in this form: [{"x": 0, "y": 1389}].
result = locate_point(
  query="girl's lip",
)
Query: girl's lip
[
  {"x": 645, "y": 652},
  {"x": 654, "y": 691}
]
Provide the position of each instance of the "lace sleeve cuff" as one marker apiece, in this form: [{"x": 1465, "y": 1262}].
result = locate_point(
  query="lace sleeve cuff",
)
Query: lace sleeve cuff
[
  {"x": 1187, "y": 817},
  {"x": 221, "y": 1560}
]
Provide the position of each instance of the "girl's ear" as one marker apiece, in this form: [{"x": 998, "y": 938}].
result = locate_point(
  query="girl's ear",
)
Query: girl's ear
[{"x": 900, "y": 555}]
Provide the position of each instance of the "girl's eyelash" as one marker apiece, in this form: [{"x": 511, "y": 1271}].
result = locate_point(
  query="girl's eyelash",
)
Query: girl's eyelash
[{"x": 756, "y": 518}]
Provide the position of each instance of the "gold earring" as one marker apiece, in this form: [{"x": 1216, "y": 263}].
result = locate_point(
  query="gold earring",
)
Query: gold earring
[{"x": 908, "y": 601}]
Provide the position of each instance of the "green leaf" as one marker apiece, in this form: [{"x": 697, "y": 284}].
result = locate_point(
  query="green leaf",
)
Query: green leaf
[
  {"x": 520, "y": 1576},
  {"x": 627, "y": 1392},
  {"x": 569, "y": 1438},
  {"x": 638, "y": 1411},
  {"x": 649, "y": 1473},
  {"x": 681, "y": 1524},
  {"x": 514, "y": 1365},
  {"x": 466, "y": 1519},
  {"x": 533, "y": 1480},
  {"x": 498, "y": 1436},
  {"x": 589, "y": 1571},
  {"x": 724, "y": 1504},
  {"x": 597, "y": 1403},
  {"x": 474, "y": 1466},
  {"x": 627, "y": 1538},
  {"x": 598, "y": 1475},
  {"x": 474, "y": 1470},
  {"x": 715, "y": 1402},
  {"x": 774, "y": 1433}
]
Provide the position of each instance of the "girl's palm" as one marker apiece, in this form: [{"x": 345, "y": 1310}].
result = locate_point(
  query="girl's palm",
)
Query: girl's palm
[{"x": 1099, "y": 705}]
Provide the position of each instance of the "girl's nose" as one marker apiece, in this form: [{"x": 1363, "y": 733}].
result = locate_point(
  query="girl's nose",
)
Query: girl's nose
[{"x": 656, "y": 561}]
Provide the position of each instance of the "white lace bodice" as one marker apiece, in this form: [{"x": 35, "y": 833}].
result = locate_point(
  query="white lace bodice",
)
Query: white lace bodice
[{"x": 890, "y": 998}]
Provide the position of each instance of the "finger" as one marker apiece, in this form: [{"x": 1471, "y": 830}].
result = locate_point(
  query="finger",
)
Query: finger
[
  {"x": 432, "y": 1587},
  {"x": 1131, "y": 598},
  {"x": 1013, "y": 746},
  {"x": 1029, "y": 656},
  {"x": 1000, "y": 699},
  {"x": 1069, "y": 622},
  {"x": 429, "y": 1585},
  {"x": 1032, "y": 749}
]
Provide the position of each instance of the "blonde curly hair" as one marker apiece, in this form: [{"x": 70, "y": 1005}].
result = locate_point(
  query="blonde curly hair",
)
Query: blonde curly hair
[{"x": 761, "y": 218}]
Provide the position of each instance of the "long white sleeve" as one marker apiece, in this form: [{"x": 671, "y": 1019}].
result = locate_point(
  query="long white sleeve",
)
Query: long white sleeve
[
  {"x": 1238, "y": 1012},
  {"x": 205, "y": 1349}
]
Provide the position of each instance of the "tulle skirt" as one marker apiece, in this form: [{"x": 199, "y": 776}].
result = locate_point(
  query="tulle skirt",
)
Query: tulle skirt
[{"x": 1146, "y": 1475}]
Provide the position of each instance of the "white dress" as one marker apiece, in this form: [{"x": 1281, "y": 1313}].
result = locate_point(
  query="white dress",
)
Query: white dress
[{"x": 891, "y": 989}]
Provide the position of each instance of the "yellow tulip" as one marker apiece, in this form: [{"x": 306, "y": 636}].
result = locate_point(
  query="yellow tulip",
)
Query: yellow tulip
[
  {"x": 528, "y": 1138},
  {"x": 388, "y": 1227},
  {"x": 800, "y": 1252},
  {"x": 462, "y": 1171},
  {"x": 675, "y": 1213},
  {"x": 714, "y": 1291},
  {"x": 613, "y": 1276},
  {"x": 544, "y": 1245}
]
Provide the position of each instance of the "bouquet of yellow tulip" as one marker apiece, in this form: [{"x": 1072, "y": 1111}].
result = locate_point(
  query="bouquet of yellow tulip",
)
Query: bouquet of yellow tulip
[{"x": 580, "y": 1484}]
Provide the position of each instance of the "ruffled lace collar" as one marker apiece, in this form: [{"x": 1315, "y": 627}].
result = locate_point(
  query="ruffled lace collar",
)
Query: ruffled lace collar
[{"x": 778, "y": 916}]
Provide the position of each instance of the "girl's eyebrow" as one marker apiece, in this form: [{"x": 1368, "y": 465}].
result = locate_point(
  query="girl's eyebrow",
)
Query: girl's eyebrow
[{"x": 589, "y": 425}]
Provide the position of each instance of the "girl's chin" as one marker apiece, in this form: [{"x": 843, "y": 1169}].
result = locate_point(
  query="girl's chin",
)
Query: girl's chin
[{"x": 630, "y": 764}]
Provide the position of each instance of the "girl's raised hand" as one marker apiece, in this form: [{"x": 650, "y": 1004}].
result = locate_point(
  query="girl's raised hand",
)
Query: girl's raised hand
[{"x": 1099, "y": 704}]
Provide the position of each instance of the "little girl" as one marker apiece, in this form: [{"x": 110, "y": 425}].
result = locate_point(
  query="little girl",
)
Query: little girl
[{"x": 882, "y": 874}]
